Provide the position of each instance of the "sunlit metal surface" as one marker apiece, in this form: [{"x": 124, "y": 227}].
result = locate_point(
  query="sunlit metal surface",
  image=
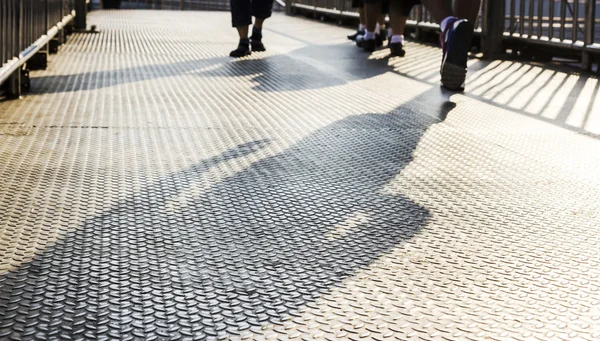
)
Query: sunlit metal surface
[{"x": 152, "y": 188}]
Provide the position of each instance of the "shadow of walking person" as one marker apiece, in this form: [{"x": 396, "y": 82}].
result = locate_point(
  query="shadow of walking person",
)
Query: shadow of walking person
[{"x": 250, "y": 250}]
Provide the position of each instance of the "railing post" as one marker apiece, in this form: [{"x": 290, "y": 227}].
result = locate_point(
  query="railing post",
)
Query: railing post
[
  {"x": 493, "y": 28},
  {"x": 80, "y": 15},
  {"x": 419, "y": 19},
  {"x": 588, "y": 37}
]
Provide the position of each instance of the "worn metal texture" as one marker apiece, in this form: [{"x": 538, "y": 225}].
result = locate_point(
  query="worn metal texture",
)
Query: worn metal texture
[{"x": 151, "y": 188}]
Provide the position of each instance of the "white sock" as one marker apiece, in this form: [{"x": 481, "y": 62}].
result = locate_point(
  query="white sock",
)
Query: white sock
[
  {"x": 369, "y": 35},
  {"x": 397, "y": 38},
  {"x": 377, "y": 28},
  {"x": 361, "y": 27},
  {"x": 444, "y": 23}
]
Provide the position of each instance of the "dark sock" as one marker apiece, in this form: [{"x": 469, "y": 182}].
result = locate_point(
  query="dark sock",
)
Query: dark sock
[
  {"x": 256, "y": 34},
  {"x": 245, "y": 41}
]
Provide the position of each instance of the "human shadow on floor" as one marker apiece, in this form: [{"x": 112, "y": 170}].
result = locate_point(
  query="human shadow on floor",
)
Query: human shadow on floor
[
  {"x": 273, "y": 73},
  {"x": 250, "y": 250}
]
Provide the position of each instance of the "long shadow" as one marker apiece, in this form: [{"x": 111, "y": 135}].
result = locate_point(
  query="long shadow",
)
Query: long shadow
[
  {"x": 286, "y": 72},
  {"x": 248, "y": 251}
]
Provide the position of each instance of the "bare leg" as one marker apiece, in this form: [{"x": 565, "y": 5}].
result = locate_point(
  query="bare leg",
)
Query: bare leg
[
  {"x": 467, "y": 9},
  {"x": 258, "y": 23},
  {"x": 439, "y": 9},
  {"x": 372, "y": 12},
  {"x": 397, "y": 18},
  {"x": 242, "y": 31},
  {"x": 381, "y": 20},
  {"x": 361, "y": 16}
]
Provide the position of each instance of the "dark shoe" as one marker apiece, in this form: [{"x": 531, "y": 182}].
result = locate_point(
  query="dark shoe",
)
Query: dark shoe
[
  {"x": 456, "y": 41},
  {"x": 242, "y": 50},
  {"x": 369, "y": 45},
  {"x": 257, "y": 46},
  {"x": 396, "y": 50},
  {"x": 359, "y": 40},
  {"x": 355, "y": 35},
  {"x": 256, "y": 41}
]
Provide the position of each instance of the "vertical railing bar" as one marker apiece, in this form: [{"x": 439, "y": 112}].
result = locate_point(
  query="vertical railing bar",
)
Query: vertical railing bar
[
  {"x": 588, "y": 36},
  {"x": 511, "y": 28},
  {"x": 551, "y": 20},
  {"x": 563, "y": 16},
  {"x": 540, "y": 18},
  {"x": 522, "y": 18},
  {"x": 530, "y": 17},
  {"x": 575, "y": 20}
]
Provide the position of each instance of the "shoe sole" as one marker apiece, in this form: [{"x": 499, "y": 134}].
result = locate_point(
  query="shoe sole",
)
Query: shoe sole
[
  {"x": 454, "y": 67},
  {"x": 244, "y": 55}
]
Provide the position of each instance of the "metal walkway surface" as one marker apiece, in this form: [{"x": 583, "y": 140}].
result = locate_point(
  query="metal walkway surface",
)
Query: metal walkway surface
[{"x": 152, "y": 188}]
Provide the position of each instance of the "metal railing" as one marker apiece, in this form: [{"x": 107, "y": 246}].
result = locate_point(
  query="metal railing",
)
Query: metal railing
[
  {"x": 573, "y": 25},
  {"x": 183, "y": 5},
  {"x": 26, "y": 28},
  {"x": 565, "y": 27}
]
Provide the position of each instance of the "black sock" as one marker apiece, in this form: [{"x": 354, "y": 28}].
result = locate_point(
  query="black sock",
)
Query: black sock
[
  {"x": 245, "y": 41},
  {"x": 256, "y": 33}
]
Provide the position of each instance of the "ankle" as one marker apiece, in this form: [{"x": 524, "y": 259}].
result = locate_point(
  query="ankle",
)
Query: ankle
[
  {"x": 397, "y": 38},
  {"x": 256, "y": 33},
  {"x": 369, "y": 35}
]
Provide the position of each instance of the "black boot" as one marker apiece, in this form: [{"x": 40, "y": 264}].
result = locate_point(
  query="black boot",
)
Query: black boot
[
  {"x": 396, "y": 49},
  {"x": 242, "y": 50},
  {"x": 369, "y": 45},
  {"x": 256, "y": 40}
]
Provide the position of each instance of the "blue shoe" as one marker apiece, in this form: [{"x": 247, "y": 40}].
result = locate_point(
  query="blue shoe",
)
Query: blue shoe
[{"x": 456, "y": 42}]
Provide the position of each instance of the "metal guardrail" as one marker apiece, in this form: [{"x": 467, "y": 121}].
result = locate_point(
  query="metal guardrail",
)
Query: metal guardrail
[
  {"x": 573, "y": 25},
  {"x": 183, "y": 5},
  {"x": 27, "y": 28},
  {"x": 573, "y": 28}
]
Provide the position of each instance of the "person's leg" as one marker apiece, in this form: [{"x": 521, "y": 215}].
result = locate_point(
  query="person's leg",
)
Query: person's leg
[
  {"x": 372, "y": 12},
  {"x": 241, "y": 18},
  {"x": 466, "y": 9},
  {"x": 457, "y": 32},
  {"x": 381, "y": 31},
  {"x": 261, "y": 9},
  {"x": 398, "y": 17},
  {"x": 439, "y": 9},
  {"x": 359, "y": 5}
]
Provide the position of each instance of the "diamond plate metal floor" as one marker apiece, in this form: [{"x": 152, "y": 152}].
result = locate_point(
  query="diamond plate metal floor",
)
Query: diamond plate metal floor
[{"x": 152, "y": 188}]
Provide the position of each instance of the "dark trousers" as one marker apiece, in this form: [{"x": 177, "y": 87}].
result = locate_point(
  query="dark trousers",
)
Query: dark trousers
[{"x": 242, "y": 11}]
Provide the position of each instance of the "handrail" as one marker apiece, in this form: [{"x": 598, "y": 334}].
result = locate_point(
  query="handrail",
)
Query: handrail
[
  {"x": 26, "y": 28},
  {"x": 12, "y": 65}
]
